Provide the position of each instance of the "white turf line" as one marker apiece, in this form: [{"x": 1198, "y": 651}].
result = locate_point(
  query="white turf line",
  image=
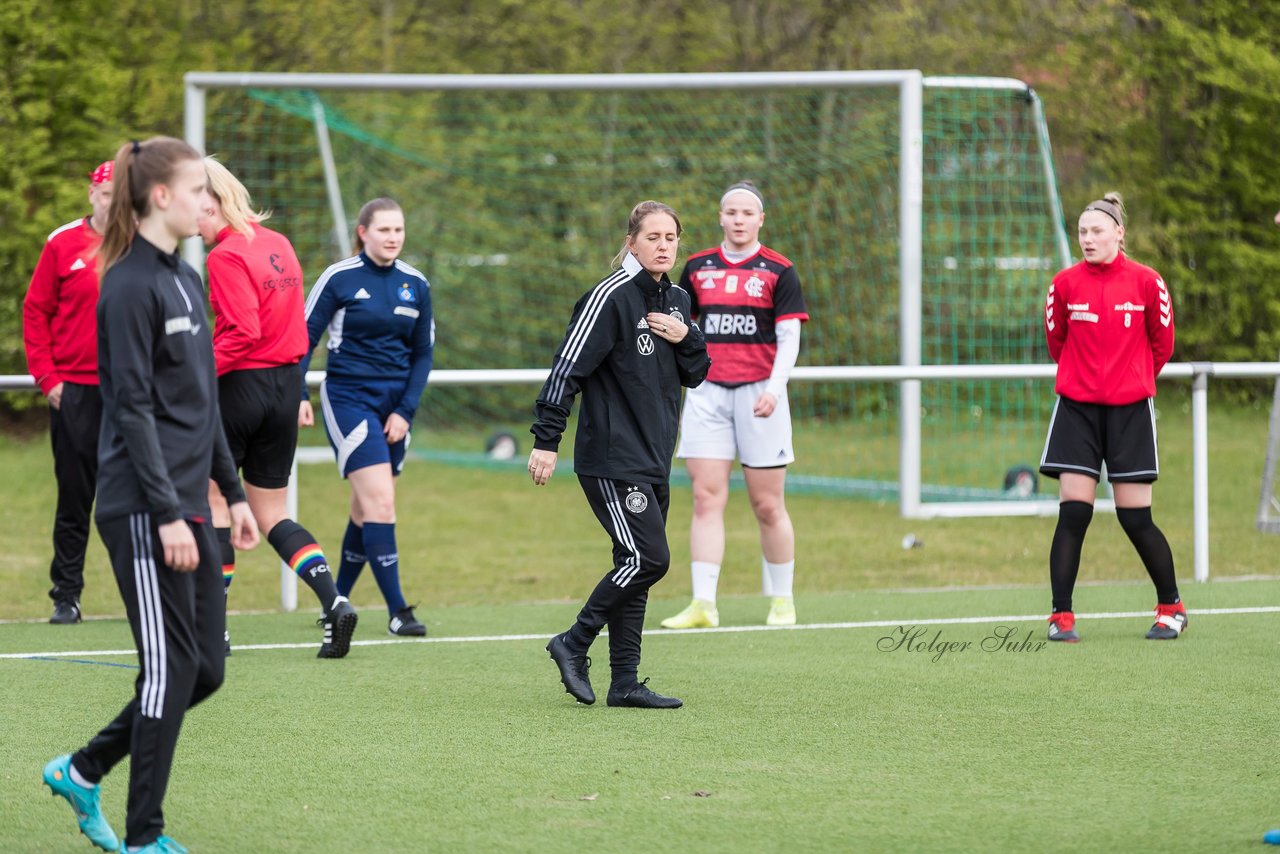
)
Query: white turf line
[{"x": 863, "y": 624}]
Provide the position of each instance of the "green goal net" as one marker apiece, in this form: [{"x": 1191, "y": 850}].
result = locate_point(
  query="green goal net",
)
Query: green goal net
[{"x": 516, "y": 201}]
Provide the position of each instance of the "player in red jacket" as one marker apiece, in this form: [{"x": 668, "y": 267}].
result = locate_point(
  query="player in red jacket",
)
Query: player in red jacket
[
  {"x": 1109, "y": 325},
  {"x": 59, "y": 328},
  {"x": 259, "y": 337}
]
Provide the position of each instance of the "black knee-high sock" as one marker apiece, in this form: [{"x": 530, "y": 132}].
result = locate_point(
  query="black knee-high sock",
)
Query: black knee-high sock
[
  {"x": 1154, "y": 550},
  {"x": 1064, "y": 554},
  {"x": 299, "y": 549},
  {"x": 228, "y": 553}
]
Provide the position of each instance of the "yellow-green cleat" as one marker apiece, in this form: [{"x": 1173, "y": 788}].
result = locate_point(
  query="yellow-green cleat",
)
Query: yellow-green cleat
[
  {"x": 700, "y": 614},
  {"x": 782, "y": 612}
]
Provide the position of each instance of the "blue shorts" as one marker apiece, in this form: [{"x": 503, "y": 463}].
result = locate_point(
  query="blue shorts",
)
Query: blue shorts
[{"x": 353, "y": 417}]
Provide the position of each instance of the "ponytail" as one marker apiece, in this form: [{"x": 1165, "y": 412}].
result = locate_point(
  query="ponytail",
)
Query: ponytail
[{"x": 140, "y": 166}]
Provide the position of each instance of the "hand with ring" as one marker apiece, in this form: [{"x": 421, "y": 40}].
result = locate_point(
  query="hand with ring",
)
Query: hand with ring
[
  {"x": 666, "y": 327},
  {"x": 542, "y": 464}
]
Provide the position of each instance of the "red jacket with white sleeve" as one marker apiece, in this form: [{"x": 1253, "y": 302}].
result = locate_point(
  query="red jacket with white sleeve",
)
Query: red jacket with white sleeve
[
  {"x": 59, "y": 313},
  {"x": 1110, "y": 329}
]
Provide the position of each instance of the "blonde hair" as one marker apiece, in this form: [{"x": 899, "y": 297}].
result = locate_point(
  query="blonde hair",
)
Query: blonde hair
[
  {"x": 140, "y": 166},
  {"x": 237, "y": 207},
  {"x": 638, "y": 213},
  {"x": 1113, "y": 206}
]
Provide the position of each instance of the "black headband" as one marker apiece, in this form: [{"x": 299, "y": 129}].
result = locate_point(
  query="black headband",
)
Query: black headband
[{"x": 1107, "y": 208}]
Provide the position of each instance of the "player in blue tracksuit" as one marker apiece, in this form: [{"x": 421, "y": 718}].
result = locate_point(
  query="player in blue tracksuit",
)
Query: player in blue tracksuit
[{"x": 377, "y": 310}]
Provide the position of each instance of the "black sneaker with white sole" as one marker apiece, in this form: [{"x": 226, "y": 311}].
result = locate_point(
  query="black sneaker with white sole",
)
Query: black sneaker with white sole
[
  {"x": 66, "y": 612},
  {"x": 404, "y": 624},
  {"x": 339, "y": 625}
]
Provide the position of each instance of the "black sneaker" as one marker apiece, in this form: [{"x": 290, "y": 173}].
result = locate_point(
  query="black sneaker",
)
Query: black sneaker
[
  {"x": 574, "y": 667},
  {"x": 339, "y": 625},
  {"x": 226, "y": 640},
  {"x": 66, "y": 612},
  {"x": 1171, "y": 622},
  {"x": 405, "y": 625},
  {"x": 639, "y": 696}
]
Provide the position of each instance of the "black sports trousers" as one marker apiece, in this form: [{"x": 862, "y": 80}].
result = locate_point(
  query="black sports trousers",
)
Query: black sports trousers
[
  {"x": 177, "y": 620},
  {"x": 73, "y": 432},
  {"x": 635, "y": 517}
]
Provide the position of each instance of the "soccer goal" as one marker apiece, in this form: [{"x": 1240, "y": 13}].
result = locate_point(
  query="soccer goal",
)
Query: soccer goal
[{"x": 921, "y": 212}]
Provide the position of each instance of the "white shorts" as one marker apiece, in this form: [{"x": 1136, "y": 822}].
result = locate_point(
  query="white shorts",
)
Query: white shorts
[{"x": 717, "y": 424}]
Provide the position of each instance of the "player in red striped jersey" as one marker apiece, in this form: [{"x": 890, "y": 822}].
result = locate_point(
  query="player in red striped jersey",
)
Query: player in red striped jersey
[
  {"x": 60, "y": 331},
  {"x": 748, "y": 300}
]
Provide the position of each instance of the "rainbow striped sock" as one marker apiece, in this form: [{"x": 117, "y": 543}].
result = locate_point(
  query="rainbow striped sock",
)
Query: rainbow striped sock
[{"x": 307, "y": 559}]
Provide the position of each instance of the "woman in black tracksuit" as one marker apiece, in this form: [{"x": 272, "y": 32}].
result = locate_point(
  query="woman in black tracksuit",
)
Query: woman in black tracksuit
[
  {"x": 161, "y": 442},
  {"x": 629, "y": 348}
]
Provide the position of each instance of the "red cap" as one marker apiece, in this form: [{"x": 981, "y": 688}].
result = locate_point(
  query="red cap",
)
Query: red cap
[{"x": 102, "y": 174}]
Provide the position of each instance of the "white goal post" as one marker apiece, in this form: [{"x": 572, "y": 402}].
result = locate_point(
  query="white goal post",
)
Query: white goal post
[{"x": 910, "y": 85}]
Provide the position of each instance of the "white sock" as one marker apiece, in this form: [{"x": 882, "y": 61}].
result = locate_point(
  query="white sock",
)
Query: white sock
[
  {"x": 779, "y": 577},
  {"x": 766, "y": 583},
  {"x": 705, "y": 578},
  {"x": 78, "y": 779}
]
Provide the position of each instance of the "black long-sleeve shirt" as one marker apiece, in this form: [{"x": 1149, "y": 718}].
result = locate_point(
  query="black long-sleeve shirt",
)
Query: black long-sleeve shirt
[
  {"x": 630, "y": 378},
  {"x": 161, "y": 438}
]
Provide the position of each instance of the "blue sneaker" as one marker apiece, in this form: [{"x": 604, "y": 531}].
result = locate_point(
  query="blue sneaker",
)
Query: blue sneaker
[{"x": 85, "y": 802}]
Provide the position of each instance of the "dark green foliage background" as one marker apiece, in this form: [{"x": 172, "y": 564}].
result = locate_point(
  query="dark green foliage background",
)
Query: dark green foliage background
[{"x": 1171, "y": 102}]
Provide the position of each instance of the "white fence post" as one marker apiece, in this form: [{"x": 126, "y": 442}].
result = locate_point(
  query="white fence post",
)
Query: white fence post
[{"x": 1200, "y": 467}]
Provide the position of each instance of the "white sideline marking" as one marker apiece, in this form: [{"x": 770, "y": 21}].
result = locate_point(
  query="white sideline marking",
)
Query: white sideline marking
[{"x": 861, "y": 624}]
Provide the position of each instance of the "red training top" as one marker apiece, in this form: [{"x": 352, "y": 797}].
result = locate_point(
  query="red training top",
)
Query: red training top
[
  {"x": 255, "y": 288},
  {"x": 738, "y": 305},
  {"x": 59, "y": 314},
  {"x": 1110, "y": 329}
]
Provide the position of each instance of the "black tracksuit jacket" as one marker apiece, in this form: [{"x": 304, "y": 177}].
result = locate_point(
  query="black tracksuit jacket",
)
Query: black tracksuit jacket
[
  {"x": 161, "y": 438},
  {"x": 630, "y": 379}
]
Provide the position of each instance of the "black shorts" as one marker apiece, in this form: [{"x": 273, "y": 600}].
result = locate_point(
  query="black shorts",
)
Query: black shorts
[
  {"x": 260, "y": 417},
  {"x": 1083, "y": 435}
]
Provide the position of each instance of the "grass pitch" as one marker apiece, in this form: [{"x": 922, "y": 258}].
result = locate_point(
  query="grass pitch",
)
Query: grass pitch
[
  {"x": 882, "y": 724},
  {"x": 879, "y": 731}
]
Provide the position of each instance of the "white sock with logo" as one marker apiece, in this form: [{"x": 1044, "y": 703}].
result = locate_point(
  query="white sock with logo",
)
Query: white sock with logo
[
  {"x": 705, "y": 578},
  {"x": 779, "y": 576}
]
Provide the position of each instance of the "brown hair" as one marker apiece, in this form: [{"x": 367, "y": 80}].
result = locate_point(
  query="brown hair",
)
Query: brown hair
[
  {"x": 638, "y": 213},
  {"x": 237, "y": 207},
  {"x": 1113, "y": 206},
  {"x": 139, "y": 167},
  {"x": 366, "y": 214}
]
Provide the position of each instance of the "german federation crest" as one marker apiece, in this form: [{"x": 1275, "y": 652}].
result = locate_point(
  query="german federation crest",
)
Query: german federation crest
[{"x": 637, "y": 502}]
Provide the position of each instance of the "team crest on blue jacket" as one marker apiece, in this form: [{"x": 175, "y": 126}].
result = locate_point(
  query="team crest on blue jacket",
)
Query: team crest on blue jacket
[
  {"x": 637, "y": 502},
  {"x": 406, "y": 293}
]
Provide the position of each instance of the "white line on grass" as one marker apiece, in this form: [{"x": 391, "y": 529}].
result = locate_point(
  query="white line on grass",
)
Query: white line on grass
[{"x": 861, "y": 624}]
